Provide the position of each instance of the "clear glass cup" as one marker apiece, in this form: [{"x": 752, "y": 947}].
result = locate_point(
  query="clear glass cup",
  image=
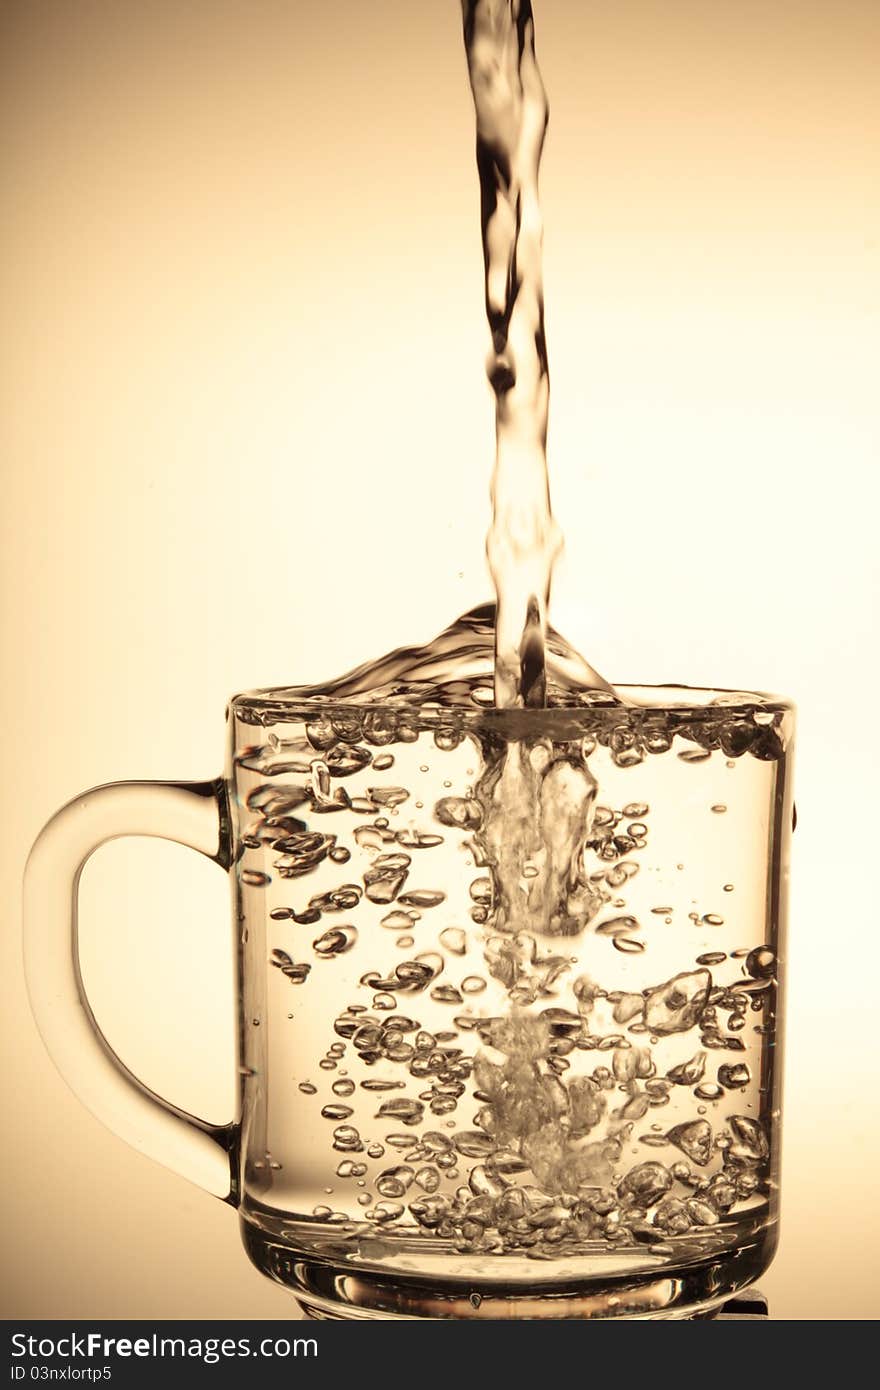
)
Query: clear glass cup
[{"x": 442, "y": 1112}]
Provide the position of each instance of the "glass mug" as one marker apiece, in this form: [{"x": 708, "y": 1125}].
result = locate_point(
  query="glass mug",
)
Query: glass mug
[{"x": 456, "y": 1100}]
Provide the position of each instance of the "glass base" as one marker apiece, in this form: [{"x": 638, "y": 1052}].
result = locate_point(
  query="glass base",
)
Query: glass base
[{"x": 330, "y": 1291}]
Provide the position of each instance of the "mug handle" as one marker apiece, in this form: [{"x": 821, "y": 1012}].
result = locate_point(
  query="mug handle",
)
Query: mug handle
[{"x": 192, "y": 814}]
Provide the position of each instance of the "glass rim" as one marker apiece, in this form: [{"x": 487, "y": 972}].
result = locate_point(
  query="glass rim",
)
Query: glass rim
[{"x": 660, "y": 698}]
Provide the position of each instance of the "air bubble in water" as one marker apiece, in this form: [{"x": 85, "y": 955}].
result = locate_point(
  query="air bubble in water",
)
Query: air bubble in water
[
  {"x": 253, "y": 878},
  {"x": 761, "y": 963},
  {"x": 454, "y": 939},
  {"x": 409, "y": 1112},
  {"x": 447, "y": 994},
  {"x": 384, "y": 880},
  {"x": 677, "y": 1005},
  {"x": 388, "y": 796},
  {"x": 347, "y": 1169},
  {"x": 473, "y": 984},
  {"x": 422, "y": 898},
  {"x": 617, "y": 926},
  {"x": 393, "y": 1182},
  {"x": 689, "y": 1073},
  {"x": 337, "y": 1112},
  {"x": 473, "y": 1144},
  {"x": 418, "y": 839},
  {"x": 335, "y": 942},
  {"x": 628, "y": 945},
  {"x": 734, "y": 1076},
  {"x": 459, "y": 811},
  {"x": 387, "y": 1211},
  {"x": 347, "y": 1139},
  {"x": 428, "y": 1179},
  {"x": 708, "y": 1091},
  {"x": 397, "y": 921},
  {"x": 750, "y": 1142},
  {"x": 694, "y": 1139}
]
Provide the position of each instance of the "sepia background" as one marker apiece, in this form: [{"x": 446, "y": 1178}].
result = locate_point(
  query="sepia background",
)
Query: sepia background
[{"x": 246, "y": 439}]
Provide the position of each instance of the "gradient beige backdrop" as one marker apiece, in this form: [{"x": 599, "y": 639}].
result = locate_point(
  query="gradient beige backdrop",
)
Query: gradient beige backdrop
[{"x": 246, "y": 439}]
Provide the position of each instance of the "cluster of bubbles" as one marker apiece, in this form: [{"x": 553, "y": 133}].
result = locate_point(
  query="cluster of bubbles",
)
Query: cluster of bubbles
[{"x": 542, "y": 1159}]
